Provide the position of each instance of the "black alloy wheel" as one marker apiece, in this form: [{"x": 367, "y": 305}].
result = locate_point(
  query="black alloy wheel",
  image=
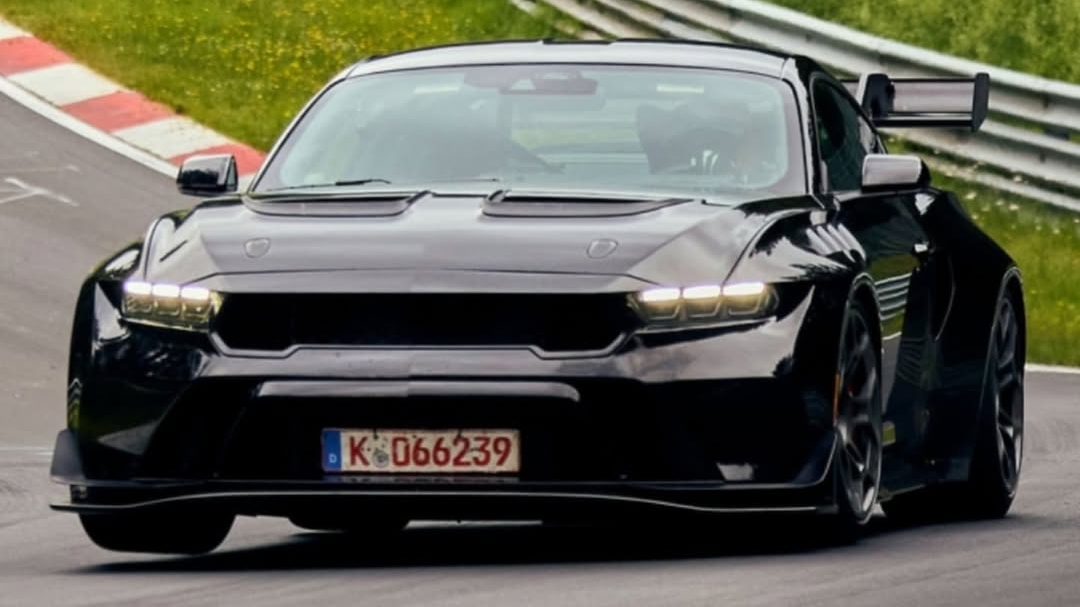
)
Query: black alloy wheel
[
  {"x": 999, "y": 446},
  {"x": 858, "y": 421},
  {"x": 1008, "y": 397},
  {"x": 997, "y": 459}
]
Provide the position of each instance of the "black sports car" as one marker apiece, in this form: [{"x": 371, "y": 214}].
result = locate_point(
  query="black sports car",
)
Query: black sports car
[{"x": 547, "y": 280}]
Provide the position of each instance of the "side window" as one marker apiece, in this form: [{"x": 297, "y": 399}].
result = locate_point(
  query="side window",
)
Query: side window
[{"x": 844, "y": 137}]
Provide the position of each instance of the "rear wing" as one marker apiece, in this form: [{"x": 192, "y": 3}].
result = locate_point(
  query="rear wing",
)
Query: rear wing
[{"x": 923, "y": 102}]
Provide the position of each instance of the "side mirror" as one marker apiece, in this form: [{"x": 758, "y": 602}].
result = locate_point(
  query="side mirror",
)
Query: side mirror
[
  {"x": 891, "y": 172},
  {"x": 207, "y": 175}
]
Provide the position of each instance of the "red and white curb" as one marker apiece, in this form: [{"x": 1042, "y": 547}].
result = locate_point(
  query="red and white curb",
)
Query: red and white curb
[{"x": 46, "y": 80}]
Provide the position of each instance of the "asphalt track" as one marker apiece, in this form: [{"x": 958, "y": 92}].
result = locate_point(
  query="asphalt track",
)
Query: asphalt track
[{"x": 65, "y": 202}]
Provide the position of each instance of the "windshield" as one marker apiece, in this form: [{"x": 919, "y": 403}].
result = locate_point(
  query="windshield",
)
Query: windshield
[{"x": 666, "y": 129}]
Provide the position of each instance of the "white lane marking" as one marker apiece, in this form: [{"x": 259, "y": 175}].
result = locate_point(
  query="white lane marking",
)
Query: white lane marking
[
  {"x": 43, "y": 452},
  {"x": 64, "y": 169},
  {"x": 64, "y": 120},
  {"x": 171, "y": 137},
  {"x": 22, "y": 190},
  {"x": 8, "y": 30},
  {"x": 1037, "y": 368},
  {"x": 17, "y": 196},
  {"x": 65, "y": 83},
  {"x": 22, "y": 156}
]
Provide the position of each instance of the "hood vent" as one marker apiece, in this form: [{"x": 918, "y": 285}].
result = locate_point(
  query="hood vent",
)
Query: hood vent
[
  {"x": 355, "y": 204},
  {"x": 511, "y": 203}
]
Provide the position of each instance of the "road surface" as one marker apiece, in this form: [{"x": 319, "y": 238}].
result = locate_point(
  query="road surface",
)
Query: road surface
[{"x": 65, "y": 203}]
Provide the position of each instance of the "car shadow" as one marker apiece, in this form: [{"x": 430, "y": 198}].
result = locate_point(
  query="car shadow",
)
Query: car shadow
[{"x": 527, "y": 544}]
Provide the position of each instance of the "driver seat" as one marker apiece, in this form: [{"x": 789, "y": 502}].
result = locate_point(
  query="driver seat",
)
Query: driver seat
[{"x": 687, "y": 135}]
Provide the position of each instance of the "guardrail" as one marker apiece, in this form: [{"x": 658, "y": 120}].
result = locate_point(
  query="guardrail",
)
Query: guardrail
[{"x": 1043, "y": 159}]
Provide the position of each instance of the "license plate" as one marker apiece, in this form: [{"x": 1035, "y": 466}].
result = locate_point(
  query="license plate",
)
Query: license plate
[{"x": 421, "y": 451}]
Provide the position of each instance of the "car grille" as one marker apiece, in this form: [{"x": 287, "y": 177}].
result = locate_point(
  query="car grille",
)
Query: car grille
[{"x": 551, "y": 322}]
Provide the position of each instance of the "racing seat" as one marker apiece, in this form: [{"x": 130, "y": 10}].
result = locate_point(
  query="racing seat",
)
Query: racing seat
[{"x": 689, "y": 138}]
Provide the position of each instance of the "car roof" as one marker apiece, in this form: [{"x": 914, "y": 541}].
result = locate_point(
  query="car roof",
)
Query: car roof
[{"x": 659, "y": 52}]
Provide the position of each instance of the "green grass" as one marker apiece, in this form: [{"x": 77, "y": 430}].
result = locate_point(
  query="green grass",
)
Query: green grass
[
  {"x": 1045, "y": 242},
  {"x": 1037, "y": 37},
  {"x": 1033, "y": 37},
  {"x": 245, "y": 67}
]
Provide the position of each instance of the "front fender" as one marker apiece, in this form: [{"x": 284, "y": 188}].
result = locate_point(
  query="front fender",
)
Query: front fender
[{"x": 99, "y": 294}]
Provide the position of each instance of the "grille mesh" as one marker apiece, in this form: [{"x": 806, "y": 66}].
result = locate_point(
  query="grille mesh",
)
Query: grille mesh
[{"x": 554, "y": 323}]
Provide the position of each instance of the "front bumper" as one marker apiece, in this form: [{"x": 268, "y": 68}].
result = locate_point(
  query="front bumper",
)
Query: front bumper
[
  {"x": 441, "y": 499},
  {"x": 660, "y": 422}
]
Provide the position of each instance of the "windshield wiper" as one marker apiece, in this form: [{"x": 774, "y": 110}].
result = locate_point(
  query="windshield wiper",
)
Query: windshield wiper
[
  {"x": 307, "y": 186},
  {"x": 362, "y": 181},
  {"x": 365, "y": 181}
]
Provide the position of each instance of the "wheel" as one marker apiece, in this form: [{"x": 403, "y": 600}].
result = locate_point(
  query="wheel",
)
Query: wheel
[
  {"x": 356, "y": 523},
  {"x": 999, "y": 444},
  {"x": 999, "y": 441},
  {"x": 187, "y": 534},
  {"x": 857, "y": 466}
]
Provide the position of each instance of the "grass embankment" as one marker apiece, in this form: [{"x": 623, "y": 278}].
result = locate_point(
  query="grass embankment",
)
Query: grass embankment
[
  {"x": 245, "y": 67},
  {"x": 1034, "y": 37}
]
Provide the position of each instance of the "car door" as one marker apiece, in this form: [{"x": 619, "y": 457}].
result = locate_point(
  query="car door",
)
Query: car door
[{"x": 899, "y": 255}]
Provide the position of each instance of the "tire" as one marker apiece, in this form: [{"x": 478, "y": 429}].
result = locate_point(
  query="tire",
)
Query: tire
[
  {"x": 197, "y": 534},
  {"x": 999, "y": 444},
  {"x": 857, "y": 461},
  {"x": 997, "y": 458}
]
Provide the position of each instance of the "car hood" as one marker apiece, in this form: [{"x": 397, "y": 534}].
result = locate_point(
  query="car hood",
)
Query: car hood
[{"x": 393, "y": 241}]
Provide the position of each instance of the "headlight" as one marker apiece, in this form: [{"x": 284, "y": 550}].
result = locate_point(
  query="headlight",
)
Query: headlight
[
  {"x": 705, "y": 304},
  {"x": 189, "y": 308}
]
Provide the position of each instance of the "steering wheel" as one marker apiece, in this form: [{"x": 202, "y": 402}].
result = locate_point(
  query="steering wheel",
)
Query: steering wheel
[
  {"x": 520, "y": 153},
  {"x": 706, "y": 162}
]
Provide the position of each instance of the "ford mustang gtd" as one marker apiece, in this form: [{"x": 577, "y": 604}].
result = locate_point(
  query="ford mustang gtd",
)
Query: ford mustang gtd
[{"x": 543, "y": 280}]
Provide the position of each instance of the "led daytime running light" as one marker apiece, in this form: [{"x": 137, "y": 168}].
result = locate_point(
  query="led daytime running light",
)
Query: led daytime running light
[
  {"x": 744, "y": 289},
  {"x": 702, "y": 292},
  {"x": 180, "y": 307},
  {"x": 662, "y": 295},
  {"x": 706, "y": 302}
]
